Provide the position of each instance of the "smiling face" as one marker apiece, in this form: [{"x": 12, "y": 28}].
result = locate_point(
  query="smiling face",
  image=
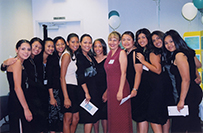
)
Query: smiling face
[
  {"x": 157, "y": 42},
  {"x": 98, "y": 48},
  {"x": 60, "y": 46},
  {"x": 86, "y": 44},
  {"x": 113, "y": 43},
  {"x": 36, "y": 48},
  {"x": 49, "y": 47},
  {"x": 142, "y": 40},
  {"x": 127, "y": 42},
  {"x": 169, "y": 43},
  {"x": 74, "y": 43},
  {"x": 24, "y": 51}
]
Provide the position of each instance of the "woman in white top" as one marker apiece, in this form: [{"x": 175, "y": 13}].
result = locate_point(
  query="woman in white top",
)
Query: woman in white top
[{"x": 69, "y": 85}]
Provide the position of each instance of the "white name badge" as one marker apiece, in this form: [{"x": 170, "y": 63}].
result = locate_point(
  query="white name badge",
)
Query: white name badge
[
  {"x": 45, "y": 82},
  {"x": 111, "y": 61}
]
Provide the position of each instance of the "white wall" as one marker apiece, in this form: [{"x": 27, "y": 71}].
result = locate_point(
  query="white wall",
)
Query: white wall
[
  {"x": 93, "y": 15},
  {"x": 136, "y": 14},
  {"x": 15, "y": 23}
]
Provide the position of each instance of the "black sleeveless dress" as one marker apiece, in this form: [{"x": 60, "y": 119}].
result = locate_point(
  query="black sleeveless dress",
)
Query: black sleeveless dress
[
  {"x": 101, "y": 87},
  {"x": 16, "y": 112},
  {"x": 190, "y": 123},
  {"x": 139, "y": 103},
  {"x": 160, "y": 86}
]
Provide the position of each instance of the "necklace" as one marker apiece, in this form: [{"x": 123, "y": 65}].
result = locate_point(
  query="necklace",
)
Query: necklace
[{"x": 130, "y": 50}]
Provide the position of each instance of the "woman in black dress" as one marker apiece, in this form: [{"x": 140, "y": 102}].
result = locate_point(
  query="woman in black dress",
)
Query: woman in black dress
[
  {"x": 184, "y": 69},
  {"x": 34, "y": 85},
  {"x": 141, "y": 110},
  {"x": 44, "y": 63},
  {"x": 100, "y": 52},
  {"x": 86, "y": 73},
  {"x": 160, "y": 84},
  {"x": 19, "y": 111},
  {"x": 55, "y": 117},
  {"x": 133, "y": 73}
]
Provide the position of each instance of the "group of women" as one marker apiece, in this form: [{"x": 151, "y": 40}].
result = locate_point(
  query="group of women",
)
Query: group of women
[{"x": 49, "y": 79}]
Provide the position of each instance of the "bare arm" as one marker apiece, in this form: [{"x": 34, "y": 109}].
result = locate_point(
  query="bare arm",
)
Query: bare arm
[
  {"x": 138, "y": 75},
  {"x": 123, "y": 63},
  {"x": 155, "y": 60},
  {"x": 183, "y": 67},
  {"x": 17, "y": 72},
  {"x": 7, "y": 63},
  {"x": 52, "y": 99},
  {"x": 64, "y": 65}
]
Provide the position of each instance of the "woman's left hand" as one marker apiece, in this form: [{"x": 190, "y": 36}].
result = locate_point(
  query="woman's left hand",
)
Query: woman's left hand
[
  {"x": 180, "y": 105},
  {"x": 119, "y": 95}
]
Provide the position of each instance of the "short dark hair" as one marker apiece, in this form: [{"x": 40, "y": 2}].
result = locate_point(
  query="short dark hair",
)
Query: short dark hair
[{"x": 18, "y": 44}]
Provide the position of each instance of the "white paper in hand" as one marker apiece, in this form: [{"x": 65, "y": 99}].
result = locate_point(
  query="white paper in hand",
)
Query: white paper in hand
[
  {"x": 125, "y": 99},
  {"x": 173, "y": 111},
  {"x": 89, "y": 107}
]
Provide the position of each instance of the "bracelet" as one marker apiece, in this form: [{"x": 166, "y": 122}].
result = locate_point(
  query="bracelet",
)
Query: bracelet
[{"x": 135, "y": 89}]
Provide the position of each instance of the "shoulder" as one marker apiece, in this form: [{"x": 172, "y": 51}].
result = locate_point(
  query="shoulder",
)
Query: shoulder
[
  {"x": 15, "y": 66},
  {"x": 152, "y": 54},
  {"x": 180, "y": 56}
]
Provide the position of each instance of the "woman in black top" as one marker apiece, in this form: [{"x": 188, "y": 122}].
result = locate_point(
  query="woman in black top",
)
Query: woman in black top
[
  {"x": 55, "y": 117},
  {"x": 19, "y": 111},
  {"x": 44, "y": 63},
  {"x": 86, "y": 73},
  {"x": 100, "y": 52},
  {"x": 34, "y": 85},
  {"x": 184, "y": 69}
]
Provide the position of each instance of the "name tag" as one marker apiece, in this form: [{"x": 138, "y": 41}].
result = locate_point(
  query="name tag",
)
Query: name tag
[
  {"x": 45, "y": 82},
  {"x": 111, "y": 61}
]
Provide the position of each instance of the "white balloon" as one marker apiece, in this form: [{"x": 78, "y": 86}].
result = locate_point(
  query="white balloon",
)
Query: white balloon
[
  {"x": 189, "y": 11},
  {"x": 114, "y": 22}
]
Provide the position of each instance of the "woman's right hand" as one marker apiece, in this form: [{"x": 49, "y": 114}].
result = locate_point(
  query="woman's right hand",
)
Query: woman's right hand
[
  {"x": 28, "y": 115},
  {"x": 87, "y": 96},
  {"x": 9, "y": 61},
  {"x": 67, "y": 103}
]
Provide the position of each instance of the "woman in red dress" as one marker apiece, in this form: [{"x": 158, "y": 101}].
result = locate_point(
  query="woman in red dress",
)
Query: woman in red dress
[{"x": 119, "y": 116}]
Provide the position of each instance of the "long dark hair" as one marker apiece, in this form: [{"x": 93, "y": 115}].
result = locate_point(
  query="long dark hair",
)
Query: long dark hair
[
  {"x": 148, "y": 36},
  {"x": 103, "y": 46},
  {"x": 160, "y": 34},
  {"x": 180, "y": 44},
  {"x": 68, "y": 40}
]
